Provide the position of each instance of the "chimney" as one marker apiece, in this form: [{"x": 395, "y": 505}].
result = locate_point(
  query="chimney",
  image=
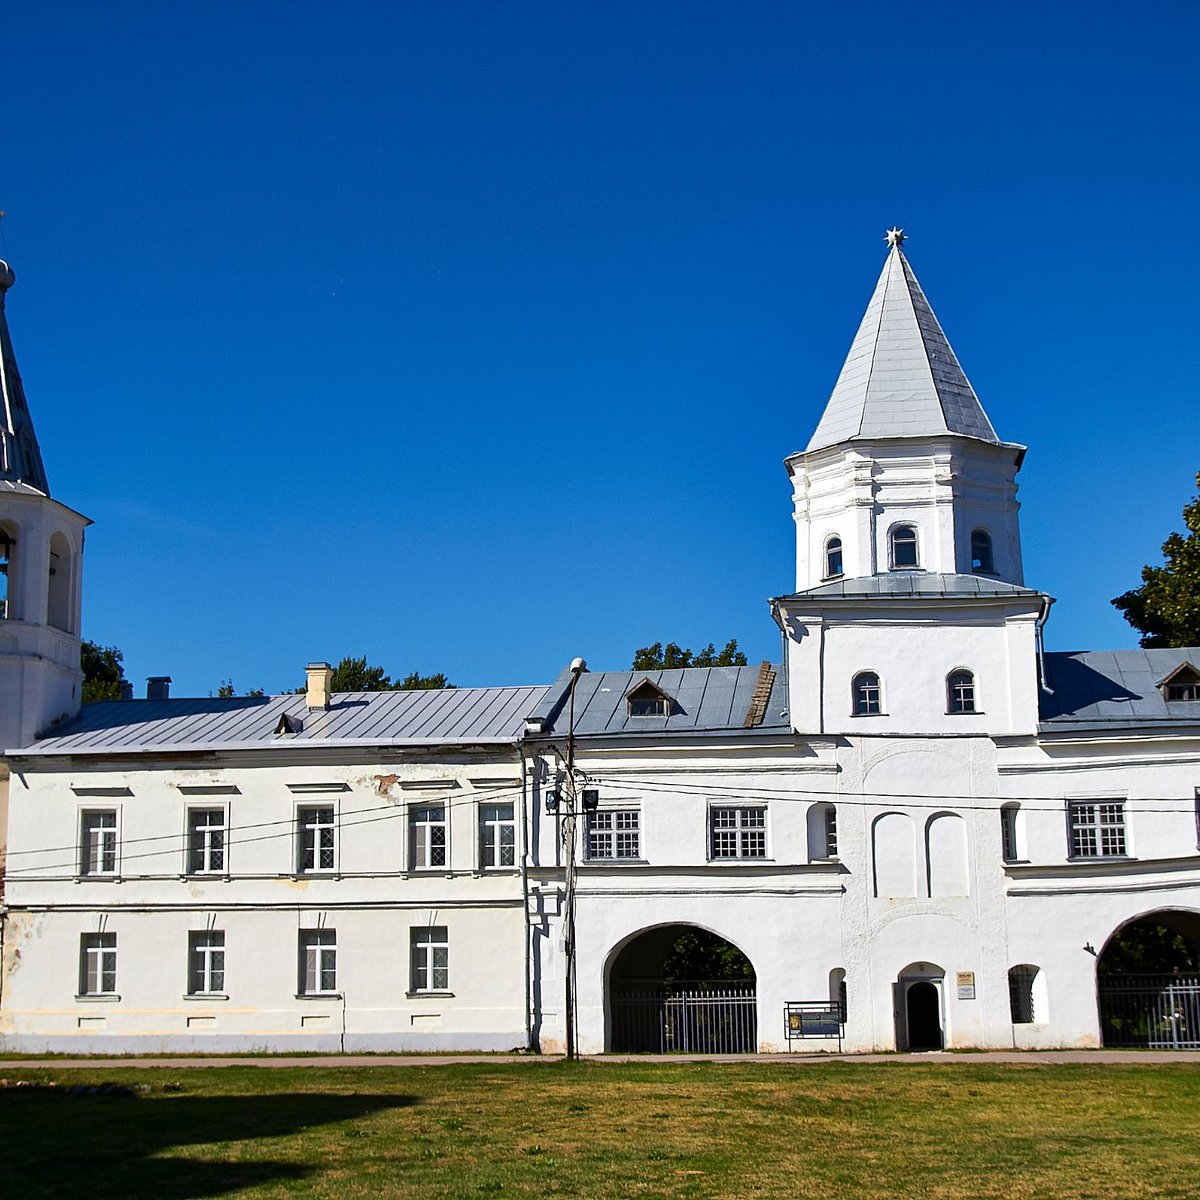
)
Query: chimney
[
  {"x": 158, "y": 687},
  {"x": 126, "y": 690},
  {"x": 320, "y": 680}
]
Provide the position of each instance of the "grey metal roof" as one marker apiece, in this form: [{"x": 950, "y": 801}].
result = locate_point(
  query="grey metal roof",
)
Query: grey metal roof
[
  {"x": 901, "y": 378},
  {"x": 1114, "y": 689},
  {"x": 433, "y": 717},
  {"x": 20, "y": 457},
  {"x": 914, "y": 583},
  {"x": 705, "y": 700}
]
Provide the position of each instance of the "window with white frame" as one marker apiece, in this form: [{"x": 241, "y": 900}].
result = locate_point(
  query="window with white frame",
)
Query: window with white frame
[
  {"x": 206, "y": 962},
  {"x": 318, "y": 961},
  {"x": 98, "y": 842},
  {"x": 497, "y": 836},
  {"x": 206, "y": 841},
  {"x": 960, "y": 692},
  {"x": 833, "y": 557},
  {"x": 427, "y": 836},
  {"x": 429, "y": 959},
  {"x": 1097, "y": 828},
  {"x": 738, "y": 832},
  {"x": 316, "y": 844},
  {"x": 903, "y": 546},
  {"x": 866, "y": 695},
  {"x": 98, "y": 964},
  {"x": 614, "y": 833}
]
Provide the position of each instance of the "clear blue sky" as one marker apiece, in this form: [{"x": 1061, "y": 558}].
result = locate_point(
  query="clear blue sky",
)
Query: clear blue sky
[{"x": 471, "y": 337}]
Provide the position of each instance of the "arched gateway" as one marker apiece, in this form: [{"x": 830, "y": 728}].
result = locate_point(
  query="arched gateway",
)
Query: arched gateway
[
  {"x": 1148, "y": 982},
  {"x": 681, "y": 989}
]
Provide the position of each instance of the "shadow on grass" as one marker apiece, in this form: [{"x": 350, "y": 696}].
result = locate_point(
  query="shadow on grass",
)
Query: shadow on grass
[{"x": 59, "y": 1144}]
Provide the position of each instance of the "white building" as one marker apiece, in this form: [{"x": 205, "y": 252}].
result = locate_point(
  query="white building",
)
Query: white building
[{"x": 920, "y": 820}]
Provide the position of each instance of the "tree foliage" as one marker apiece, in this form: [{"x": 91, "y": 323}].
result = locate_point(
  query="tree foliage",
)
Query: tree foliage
[
  {"x": 226, "y": 691},
  {"x": 103, "y": 672},
  {"x": 357, "y": 675},
  {"x": 1149, "y": 948},
  {"x": 700, "y": 955},
  {"x": 1166, "y": 608},
  {"x": 658, "y": 657}
]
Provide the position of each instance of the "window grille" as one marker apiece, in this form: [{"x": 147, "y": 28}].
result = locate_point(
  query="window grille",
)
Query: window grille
[
  {"x": 206, "y": 841},
  {"x": 318, "y": 961},
  {"x": 867, "y": 695},
  {"x": 738, "y": 832},
  {"x": 98, "y": 964},
  {"x": 1020, "y": 994},
  {"x": 430, "y": 959},
  {"x": 317, "y": 840},
  {"x": 206, "y": 962},
  {"x": 614, "y": 833},
  {"x": 1097, "y": 828},
  {"x": 960, "y": 692},
  {"x": 427, "y": 836},
  {"x": 831, "y": 838},
  {"x": 1008, "y": 833},
  {"x": 497, "y": 835}
]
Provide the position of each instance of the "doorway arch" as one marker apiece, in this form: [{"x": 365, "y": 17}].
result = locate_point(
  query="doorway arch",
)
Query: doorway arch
[
  {"x": 681, "y": 988},
  {"x": 920, "y": 1009},
  {"x": 1148, "y": 982}
]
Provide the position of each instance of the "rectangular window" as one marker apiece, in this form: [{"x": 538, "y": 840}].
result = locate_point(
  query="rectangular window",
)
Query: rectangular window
[
  {"x": 98, "y": 842},
  {"x": 206, "y": 962},
  {"x": 497, "y": 836},
  {"x": 430, "y": 960},
  {"x": 318, "y": 961},
  {"x": 738, "y": 832},
  {"x": 427, "y": 836},
  {"x": 614, "y": 833},
  {"x": 316, "y": 848},
  {"x": 206, "y": 841},
  {"x": 98, "y": 964},
  {"x": 1097, "y": 828}
]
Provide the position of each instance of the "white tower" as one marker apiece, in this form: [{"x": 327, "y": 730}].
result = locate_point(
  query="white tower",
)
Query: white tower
[
  {"x": 908, "y": 551},
  {"x": 41, "y": 567}
]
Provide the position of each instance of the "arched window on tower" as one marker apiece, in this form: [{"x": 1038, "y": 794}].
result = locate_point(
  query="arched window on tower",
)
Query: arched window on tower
[
  {"x": 833, "y": 557},
  {"x": 960, "y": 692},
  {"x": 982, "y": 562},
  {"x": 59, "y": 607},
  {"x": 866, "y": 695},
  {"x": 903, "y": 541},
  {"x": 7, "y": 542}
]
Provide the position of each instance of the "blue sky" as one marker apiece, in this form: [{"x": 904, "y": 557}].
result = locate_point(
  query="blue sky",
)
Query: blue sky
[{"x": 471, "y": 337}]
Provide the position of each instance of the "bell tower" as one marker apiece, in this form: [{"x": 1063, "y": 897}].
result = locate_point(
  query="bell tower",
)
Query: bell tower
[{"x": 41, "y": 569}]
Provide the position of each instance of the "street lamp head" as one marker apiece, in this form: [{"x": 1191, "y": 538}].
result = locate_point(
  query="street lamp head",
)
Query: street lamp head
[{"x": 578, "y": 665}]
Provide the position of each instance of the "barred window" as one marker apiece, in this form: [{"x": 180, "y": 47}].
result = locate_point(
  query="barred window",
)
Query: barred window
[
  {"x": 98, "y": 843},
  {"x": 316, "y": 849},
  {"x": 867, "y": 695},
  {"x": 1020, "y": 993},
  {"x": 98, "y": 964},
  {"x": 960, "y": 692},
  {"x": 1097, "y": 828},
  {"x": 427, "y": 836},
  {"x": 318, "y": 961},
  {"x": 1009, "y": 846},
  {"x": 206, "y": 962},
  {"x": 206, "y": 841},
  {"x": 614, "y": 833},
  {"x": 430, "y": 959},
  {"x": 831, "y": 841},
  {"x": 738, "y": 832}
]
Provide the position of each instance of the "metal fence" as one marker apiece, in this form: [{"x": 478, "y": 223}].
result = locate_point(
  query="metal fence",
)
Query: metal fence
[
  {"x": 717, "y": 1017},
  {"x": 1161, "y": 1012}
]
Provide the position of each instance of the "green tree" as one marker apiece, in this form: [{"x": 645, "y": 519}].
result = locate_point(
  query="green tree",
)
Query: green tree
[
  {"x": 659, "y": 658},
  {"x": 1166, "y": 608},
  {"x": 103, "y": 672},
  {"x": 416, "y": 682},
  {"x": 701, "y": 955},
  {"x": 357, "y": 675},
  {"x": 226, "y": 691},
  {"x": 1149, "y": 948}
]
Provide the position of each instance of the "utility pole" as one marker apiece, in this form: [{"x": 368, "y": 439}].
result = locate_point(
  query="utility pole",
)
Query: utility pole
[{"x": 578, "y": 666}]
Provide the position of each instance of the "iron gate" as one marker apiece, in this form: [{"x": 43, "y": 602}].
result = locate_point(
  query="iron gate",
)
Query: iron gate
[
  {"x": 715, "y": 1017},
  {"x": 1161, "y": 1012}
]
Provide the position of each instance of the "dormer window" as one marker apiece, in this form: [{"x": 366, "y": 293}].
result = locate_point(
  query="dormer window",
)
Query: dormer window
[
  {"x": 904, "y": 548},
  {"x": 1183, "y": 683},
  {"x": 648, "y": 700},
  {"x": 833, "y": 557},
  {"x": 982, "y": 562}
]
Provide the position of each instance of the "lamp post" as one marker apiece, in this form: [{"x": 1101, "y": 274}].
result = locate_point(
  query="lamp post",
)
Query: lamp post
[{"x": 578, "y": 666}]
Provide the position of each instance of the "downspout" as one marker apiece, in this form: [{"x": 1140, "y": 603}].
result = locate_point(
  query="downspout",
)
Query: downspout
[
  {"x": 1047, "y": 601},
  {"x": 526, "y": 833}
]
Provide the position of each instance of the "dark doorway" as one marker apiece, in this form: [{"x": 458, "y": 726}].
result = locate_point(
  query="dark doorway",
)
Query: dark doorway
[
  {"x": 680, "y": 988},
  {"x": 923, "y": 1012}
]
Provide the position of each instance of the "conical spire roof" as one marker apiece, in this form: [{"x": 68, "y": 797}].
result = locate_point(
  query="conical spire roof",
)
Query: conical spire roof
[
  {"x": 901, "y": 378},
  {"x": 20, "y": 458}
]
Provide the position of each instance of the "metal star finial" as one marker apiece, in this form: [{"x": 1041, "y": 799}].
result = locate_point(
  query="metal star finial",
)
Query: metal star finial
[{"x": 895, "y": 237}]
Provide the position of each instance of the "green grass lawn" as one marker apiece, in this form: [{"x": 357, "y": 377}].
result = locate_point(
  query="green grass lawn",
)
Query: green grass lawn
[{"x": 957, "y": 1130}]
